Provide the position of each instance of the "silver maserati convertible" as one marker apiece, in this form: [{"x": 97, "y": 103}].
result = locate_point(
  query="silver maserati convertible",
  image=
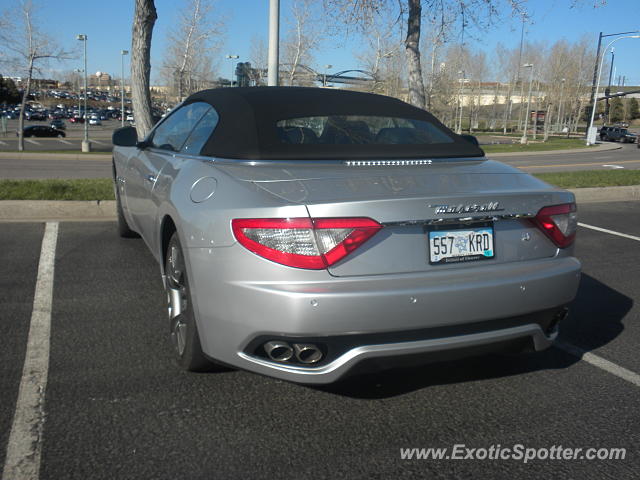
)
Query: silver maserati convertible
[{"x": 305, "y": 233}]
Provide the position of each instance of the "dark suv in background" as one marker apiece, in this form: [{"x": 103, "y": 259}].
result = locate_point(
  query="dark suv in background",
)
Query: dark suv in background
[{"x": 617, "y": 134}]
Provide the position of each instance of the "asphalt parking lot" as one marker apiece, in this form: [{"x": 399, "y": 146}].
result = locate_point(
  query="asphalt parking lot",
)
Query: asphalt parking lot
[{"x": 116, "y": 405}]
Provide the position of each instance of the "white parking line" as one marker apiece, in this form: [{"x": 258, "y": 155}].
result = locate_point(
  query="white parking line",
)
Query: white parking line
[
  {"x": 3, "y": 143},
  {"x": 31, "y": 141},
  {"x": 64, "y": 141},
  {"x": 98, "y": 142},
  {"x": 600, "y": 362},
  {"x": 611, "y": 232},
  {"x": 24, "y": 446}
]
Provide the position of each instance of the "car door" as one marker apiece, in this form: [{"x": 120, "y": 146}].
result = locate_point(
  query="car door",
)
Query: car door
[{"x": 145, "y": 167}]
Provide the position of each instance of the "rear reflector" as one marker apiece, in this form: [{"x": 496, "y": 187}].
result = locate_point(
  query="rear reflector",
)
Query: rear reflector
[
  {"x": 303, "y": 242},
  {"x": 559, "y": 223}
]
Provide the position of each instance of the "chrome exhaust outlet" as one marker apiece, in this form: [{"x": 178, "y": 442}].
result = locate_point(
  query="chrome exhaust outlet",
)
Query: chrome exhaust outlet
[
  {"x": 278, "y": 351},
  {"x": 307, "y": 352}
]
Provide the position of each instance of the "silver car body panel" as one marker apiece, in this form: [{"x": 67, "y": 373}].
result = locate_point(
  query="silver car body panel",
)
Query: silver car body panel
[{"x": 386, "y": 285}]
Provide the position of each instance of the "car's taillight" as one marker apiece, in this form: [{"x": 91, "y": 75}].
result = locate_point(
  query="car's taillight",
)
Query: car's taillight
[
  {"x": 559, "y": 223},
  {"x": 303, "y": 242}
]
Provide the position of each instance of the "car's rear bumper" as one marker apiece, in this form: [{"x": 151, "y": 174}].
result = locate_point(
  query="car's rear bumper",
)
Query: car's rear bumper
[{"x": 379, "y": 317}]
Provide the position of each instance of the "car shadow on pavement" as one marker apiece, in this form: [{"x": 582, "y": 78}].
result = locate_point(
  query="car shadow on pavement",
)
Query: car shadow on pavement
[{"x": 595, "y": 319}]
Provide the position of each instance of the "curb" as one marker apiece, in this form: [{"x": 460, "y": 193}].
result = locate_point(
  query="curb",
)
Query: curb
[
  {"x": 606, "y": 194},
  {"x": 56, "y": 210},
  {"x": 70, "y": 210},
  {"x": 55, "y": 156}
]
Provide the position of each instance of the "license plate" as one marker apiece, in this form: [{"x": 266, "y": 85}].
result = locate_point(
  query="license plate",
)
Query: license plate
[{"x": 460, "y": 245}]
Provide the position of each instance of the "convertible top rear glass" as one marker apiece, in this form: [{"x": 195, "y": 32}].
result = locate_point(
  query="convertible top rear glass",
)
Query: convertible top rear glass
[{"x": 299, "y": 123}]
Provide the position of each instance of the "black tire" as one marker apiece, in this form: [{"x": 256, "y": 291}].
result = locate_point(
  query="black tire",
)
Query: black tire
[
  {"x": 123, "y": 227},
  {"x": 182, "y": 323}
]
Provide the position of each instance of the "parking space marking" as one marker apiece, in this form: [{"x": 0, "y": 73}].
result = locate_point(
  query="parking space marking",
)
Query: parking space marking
[
  {"x": 64, "y": 141},
  {"x": 31, "y": 141},
  {"x": 98, "y": 142},
  {"x": 600, "y": 363},
  {"x": 611, "y": 232},
  {"x": 3, "y": 143},
  {"x": 24, "y": 446}
]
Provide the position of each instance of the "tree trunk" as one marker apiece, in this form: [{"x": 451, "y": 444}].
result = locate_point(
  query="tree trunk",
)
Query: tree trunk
[
  {"x": 143, "y": 21},
  {"x": 412, "y": 49}
]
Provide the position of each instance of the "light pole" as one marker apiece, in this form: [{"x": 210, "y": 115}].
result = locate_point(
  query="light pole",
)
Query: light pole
[
  {"x": 591, "y": 134},
  {"x": 559, "y": 122},
  {"x": 596, "y": 75},
  {"x": 607, "y": 91},
  {"x": 523, "y": 140},
  {"x": 324, "y": 78},
  {"x": 273, "y": 65},
  {"x": 122, "y": 54},
  {"x": 460, "y": 99},
  {"x": 232, "y": 57},
  {"x": 86, "y": 145}
]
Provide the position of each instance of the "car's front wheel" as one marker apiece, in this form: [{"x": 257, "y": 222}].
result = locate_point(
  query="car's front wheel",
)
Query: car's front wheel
[{"x": 182, "y": 322}]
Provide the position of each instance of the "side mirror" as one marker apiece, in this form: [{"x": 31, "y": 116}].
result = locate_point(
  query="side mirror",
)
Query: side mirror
[
  {"x": 471, "y": 139},
  {"x": 125, "y": 137}
]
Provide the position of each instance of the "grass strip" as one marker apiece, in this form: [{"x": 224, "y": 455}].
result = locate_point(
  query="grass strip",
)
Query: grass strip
[
  {"x": 591, "y": 178},
  {"x": 56, "y": 189},
  {"x": 102, "y": 188},
  {"x": 551, "y": 144}
]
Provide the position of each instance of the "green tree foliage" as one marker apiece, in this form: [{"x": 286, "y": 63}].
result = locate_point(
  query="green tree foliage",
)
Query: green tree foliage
[
  {"x": 633, "y": 110},
  {"x": 616, "y": 110}
]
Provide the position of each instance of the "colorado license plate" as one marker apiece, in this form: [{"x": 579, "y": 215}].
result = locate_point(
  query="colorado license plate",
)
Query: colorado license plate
[{"x": 460, "y": 245}]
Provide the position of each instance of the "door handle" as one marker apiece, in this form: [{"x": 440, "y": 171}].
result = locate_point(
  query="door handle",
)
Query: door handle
[{"x": 151, "y": 178}]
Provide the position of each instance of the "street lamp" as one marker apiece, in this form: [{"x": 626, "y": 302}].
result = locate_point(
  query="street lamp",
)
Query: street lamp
[
  {"x": 523, "y": 140},
  {"x": 324, "y": 78},
  {"x": 559, "y": 122},
  {"x": 460, "y": 99},
  {"x": 232, "y": 57},
  {"x": 122, "y": 54},
  {"x": 86, "y": 145},
  {"x": 591, "y": 134}
]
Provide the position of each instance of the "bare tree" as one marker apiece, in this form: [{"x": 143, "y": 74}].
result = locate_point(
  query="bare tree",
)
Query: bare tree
[
  {"x": 305, "y": 35},
  {"x": 380, "y": 59},
  {"x": 144, "y": 19},
  {"x": 27, "y": 48},
  {"x": 196, "y": 38},
  {"x": 478, "y": 14},
  {"x": 258, "y": 56}
]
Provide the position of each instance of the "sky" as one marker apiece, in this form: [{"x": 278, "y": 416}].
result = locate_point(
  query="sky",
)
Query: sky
[{"x": 108, "y": 27}]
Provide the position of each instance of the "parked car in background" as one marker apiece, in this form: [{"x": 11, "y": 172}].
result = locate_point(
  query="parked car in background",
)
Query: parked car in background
[
  {"x": 95, "y": 121},
  {"x": 617, "y": 134},
  {"x": 304, "y": 232},
  {"x": 76, "y": 120},
  {"x": 59, "y": 124},
  {"x": 42, "y": 131}
]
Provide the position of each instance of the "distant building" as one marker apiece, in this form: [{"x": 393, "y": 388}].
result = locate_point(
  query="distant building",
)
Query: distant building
[{"x": 100, "y": 80}]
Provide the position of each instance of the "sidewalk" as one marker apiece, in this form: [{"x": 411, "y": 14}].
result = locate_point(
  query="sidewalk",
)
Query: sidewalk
[{"x": 56, "y": 156}]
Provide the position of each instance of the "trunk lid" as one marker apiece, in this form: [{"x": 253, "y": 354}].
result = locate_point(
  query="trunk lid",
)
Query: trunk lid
[{"x": 412, "y": 200}]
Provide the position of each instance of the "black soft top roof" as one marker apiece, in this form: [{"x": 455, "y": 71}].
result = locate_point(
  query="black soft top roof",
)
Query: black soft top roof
[{"x": 248, "y": 117}]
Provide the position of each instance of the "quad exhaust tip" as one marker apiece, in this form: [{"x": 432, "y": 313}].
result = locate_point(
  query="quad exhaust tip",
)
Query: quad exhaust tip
[
  {"x": 306, "y": 353},
  {"x": 278, "y": 351}
]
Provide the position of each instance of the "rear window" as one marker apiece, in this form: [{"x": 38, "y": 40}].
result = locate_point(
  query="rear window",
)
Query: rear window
[{"x": 359, "y": 130}]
